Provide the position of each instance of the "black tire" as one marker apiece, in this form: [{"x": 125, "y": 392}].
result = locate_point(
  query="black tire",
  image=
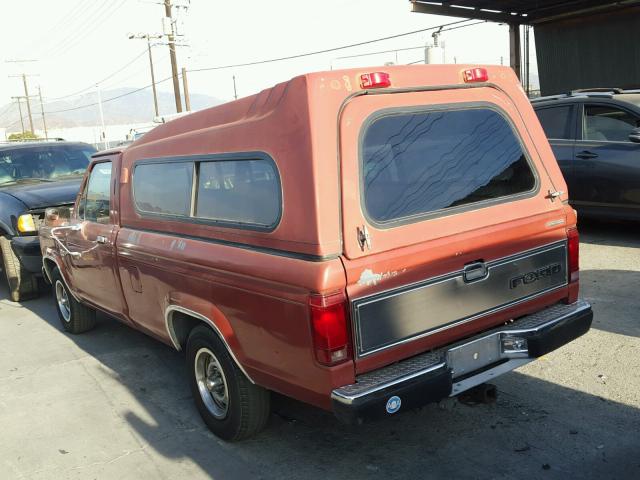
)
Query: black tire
[
  {"x": 22, "y": 284},
  {"x": 247, "y": 405},
  {"x": 76, "y": 317}
]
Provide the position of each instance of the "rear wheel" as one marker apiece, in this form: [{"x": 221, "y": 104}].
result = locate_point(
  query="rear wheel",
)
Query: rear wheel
[
  {"x": 74, "y": 316},
  {"x": 232, "y": 407},
  {"x": 22, "y": 284}
]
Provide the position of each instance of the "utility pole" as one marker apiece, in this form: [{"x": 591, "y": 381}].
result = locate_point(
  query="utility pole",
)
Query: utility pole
[
  {"x": 153, "y": 76},
  {"x": 26, "y": 96},
  {"x": 44, "y": 122},
  {"x": 235, "y": 93},
  {"x": 185, "y": 86},
  {"x": 26, "y": 90},
  {"x": 153, "y": 79},
  {"x": 172, "y": 54},
  {"x": 17, "y": 99},
  {"x": 104, "y": 134}
]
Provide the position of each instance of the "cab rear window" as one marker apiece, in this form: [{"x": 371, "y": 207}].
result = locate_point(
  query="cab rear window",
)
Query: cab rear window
[{"x": 425, "y": 163}]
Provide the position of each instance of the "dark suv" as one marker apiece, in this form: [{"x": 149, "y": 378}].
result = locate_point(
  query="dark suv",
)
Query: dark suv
[
  {"x": 34, "y": 176},
  {"x": 595, "y": 136}
]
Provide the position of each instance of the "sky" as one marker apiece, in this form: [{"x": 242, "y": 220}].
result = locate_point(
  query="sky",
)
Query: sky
[{"x": 77, "y": 43}]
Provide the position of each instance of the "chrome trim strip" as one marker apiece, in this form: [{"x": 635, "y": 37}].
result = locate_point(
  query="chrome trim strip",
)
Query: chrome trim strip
[
  {"x": 168, "y": 319},
  {"x": 363, "y": 301},
  {"x": 439, "y": 278},
  {"x": 349, "y": 399}
]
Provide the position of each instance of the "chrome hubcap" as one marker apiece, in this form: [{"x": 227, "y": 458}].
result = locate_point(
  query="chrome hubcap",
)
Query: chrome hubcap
[
  {"x": 63, "y": 301},
  {"x": 212, "y": 383}
]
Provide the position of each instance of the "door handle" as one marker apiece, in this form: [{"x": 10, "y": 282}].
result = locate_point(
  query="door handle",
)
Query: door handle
[
  {"x": 586, "y": 154},
  {"x": 101, "y": 239},
  {"x": 475, "y": 271}
]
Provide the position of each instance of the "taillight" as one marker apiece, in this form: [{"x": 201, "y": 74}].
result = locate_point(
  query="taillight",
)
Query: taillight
[
  {"x": 330, "y": 326},
  {"x": 573, "y": 240},
  {"x": 478, "y": 74},
  {"x": 375, "y": 80}
]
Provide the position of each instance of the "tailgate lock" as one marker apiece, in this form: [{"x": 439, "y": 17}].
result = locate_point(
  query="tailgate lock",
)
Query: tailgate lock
[{"x": 475, "y": 271}]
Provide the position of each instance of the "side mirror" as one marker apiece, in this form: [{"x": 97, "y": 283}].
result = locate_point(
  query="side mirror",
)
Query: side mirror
[
  {"x": 634, "y": 136},
  {"x": 57, "y": 216}
]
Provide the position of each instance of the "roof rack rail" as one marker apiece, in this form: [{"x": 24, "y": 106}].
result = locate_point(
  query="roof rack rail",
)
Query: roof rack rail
[
  {"x": 598, "y": 90},
  {"x": 602, "y": 93},
  {"x": 550, "y": 97}
]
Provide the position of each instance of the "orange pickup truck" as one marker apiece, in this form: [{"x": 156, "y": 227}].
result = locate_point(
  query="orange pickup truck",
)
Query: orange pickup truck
[{"x": 364, "y": 241}]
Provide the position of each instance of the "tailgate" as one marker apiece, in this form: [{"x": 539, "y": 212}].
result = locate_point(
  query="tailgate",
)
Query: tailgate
[{"x": 446, "y": 218}]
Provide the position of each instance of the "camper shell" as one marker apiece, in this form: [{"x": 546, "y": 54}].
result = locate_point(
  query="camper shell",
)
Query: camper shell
[{"x": 363, "y": 240}]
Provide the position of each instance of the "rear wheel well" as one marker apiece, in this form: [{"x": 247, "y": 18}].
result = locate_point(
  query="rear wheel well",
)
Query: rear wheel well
[{"x": 180, "y": 325}]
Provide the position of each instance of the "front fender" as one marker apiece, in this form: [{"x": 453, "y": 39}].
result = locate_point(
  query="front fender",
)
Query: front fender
[{"x": 51, "y": 258}]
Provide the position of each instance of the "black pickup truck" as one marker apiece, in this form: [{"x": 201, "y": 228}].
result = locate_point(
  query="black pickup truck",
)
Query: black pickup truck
[{"x": 33, "y": 177}]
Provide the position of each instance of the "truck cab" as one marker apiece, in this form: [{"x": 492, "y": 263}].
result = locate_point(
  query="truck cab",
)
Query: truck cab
[{"x": 363, "y": 241}]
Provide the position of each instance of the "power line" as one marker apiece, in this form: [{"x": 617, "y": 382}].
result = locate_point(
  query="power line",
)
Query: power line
[
  {"x": 101, "y": 15},
  {"x": 406, "y": 48},
  {"x": 111, "y": 98},
  {"x": 65, "y": 21},
  {"x": 269, "y": 61},
  {"x": 6, "y": 110},
  {"x": 100, "y": 81},
  {"x": 72, "y": 33},
  {"x": 327, "y": 50}
]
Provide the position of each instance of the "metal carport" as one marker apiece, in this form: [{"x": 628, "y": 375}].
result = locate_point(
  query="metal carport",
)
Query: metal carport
[{"x": 579, "y": 43}]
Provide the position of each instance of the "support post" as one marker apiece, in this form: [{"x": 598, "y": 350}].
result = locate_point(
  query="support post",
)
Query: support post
[{"x": 514, "y": 48}]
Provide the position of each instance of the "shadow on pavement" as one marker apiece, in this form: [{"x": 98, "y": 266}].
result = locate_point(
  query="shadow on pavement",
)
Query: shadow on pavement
[
  {"x": 619, "y": 234},
  {"x": 615, "y": 298},
  {"x": 537, "y": 429}
]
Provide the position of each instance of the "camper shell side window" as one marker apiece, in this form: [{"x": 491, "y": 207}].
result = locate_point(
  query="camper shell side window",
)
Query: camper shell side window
[{"x": 229, "y": 190}]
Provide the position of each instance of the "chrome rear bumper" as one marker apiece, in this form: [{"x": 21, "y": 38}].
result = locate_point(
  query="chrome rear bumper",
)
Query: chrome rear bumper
[{"x": 450, "y": 370}]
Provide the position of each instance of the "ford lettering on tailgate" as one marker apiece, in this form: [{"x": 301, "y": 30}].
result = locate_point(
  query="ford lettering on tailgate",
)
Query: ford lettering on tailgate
[{"x": 533, "y": 276}]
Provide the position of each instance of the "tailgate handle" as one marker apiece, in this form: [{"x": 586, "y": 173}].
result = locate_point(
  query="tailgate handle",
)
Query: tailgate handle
[{"x": 475, "y": 271}]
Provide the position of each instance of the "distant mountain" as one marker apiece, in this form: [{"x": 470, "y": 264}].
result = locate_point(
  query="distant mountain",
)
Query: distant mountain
[{"x": 130, "y": 108}]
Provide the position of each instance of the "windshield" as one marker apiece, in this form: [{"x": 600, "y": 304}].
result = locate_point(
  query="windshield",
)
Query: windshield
[{"x": 43, "y": 163}]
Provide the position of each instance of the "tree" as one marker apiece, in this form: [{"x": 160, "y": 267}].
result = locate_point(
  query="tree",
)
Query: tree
[{"x": 23, "y": 136}]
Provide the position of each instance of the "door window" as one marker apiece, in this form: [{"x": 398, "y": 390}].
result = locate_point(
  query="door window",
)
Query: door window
[
  {"x": 608, "y": 123},
  {"x": 555, "y": 122},
  {"x": 95, "y": 204}
]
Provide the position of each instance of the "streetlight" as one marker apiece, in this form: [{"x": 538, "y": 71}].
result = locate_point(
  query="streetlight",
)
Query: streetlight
[{"x": 148, "y": 37}]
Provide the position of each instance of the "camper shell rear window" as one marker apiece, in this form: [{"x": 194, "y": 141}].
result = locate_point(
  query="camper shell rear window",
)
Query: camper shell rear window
[{"x": 425, "y": 162}]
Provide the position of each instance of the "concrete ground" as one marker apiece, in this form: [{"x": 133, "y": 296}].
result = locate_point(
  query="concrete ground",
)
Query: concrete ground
[{"x": 114, "y": 404}]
